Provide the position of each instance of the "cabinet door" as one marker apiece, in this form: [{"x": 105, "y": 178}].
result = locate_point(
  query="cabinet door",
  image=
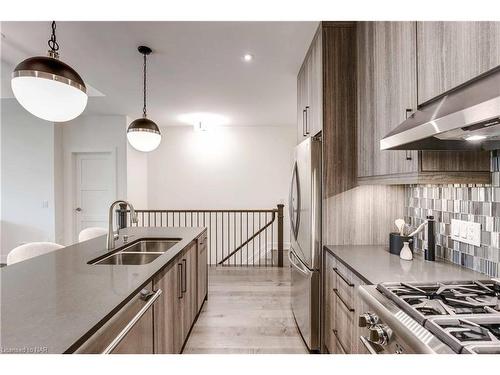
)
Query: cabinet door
[
  {"x": 189, "y": 298},
  {"x": 193, "y": 278},
  {"x": 169, "y": 332},
  {"x": 451, "y": 53},
  {"x": 314, "y": 108},
  {"x": 329, "y": 310},
  {"x": 202, "y": 269},
  {"x": 301, "y": 103},
  {"x": 386, "y": 89}
]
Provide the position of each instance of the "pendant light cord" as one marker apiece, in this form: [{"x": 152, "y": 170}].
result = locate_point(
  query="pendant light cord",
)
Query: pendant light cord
[
  {"x": 144, "y": 113},
  {"x": 53, "y": 45}
]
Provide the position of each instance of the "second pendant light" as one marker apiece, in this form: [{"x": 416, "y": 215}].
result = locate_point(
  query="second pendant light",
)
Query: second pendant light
[{"x": 143, "y": 134}]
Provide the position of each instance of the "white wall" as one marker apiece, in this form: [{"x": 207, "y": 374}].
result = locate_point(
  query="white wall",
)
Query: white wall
[
  {"x": 27, "y": 169},
  {"x": 91, "y": 134},
  {"x": 227, "y": 167}
]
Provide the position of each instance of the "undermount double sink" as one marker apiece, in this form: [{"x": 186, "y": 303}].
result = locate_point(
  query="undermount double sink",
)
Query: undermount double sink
[{"x": 140, "y": 252}]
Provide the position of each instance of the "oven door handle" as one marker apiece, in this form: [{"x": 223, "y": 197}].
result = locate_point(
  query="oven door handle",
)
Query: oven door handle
[{"x": 366, "y": 343}]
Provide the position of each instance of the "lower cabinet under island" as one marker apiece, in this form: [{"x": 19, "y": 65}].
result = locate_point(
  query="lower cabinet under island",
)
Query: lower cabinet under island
[{"x": 159, "y": 319}]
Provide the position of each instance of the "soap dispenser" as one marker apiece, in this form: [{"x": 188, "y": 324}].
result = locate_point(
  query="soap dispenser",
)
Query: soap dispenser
[{"x": 406, "y": 253}]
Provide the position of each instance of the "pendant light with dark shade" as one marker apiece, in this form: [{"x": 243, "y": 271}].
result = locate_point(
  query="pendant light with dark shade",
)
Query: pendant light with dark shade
[
  {"x": 143, "y": 134},
  {"x": 48, "y": 88}
]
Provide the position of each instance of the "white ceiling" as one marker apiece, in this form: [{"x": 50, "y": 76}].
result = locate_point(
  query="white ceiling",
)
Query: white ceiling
[{"x": 195, "y": 66}]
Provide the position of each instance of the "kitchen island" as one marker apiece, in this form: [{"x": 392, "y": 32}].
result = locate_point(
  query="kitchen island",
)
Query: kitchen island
[{"x": 56, "y": 302}]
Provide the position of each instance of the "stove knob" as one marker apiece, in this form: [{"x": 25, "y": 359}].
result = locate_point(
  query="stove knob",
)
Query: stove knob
[
  {"x": 367, "y": 320},
  {"x": 380, "y": 334}
]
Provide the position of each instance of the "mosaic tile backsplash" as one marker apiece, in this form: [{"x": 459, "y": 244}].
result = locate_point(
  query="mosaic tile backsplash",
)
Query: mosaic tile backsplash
[{"x": 478, "y": 203}]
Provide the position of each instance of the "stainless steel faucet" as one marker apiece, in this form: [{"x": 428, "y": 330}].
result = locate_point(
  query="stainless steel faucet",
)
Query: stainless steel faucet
[{"x": 111, "y": 234}]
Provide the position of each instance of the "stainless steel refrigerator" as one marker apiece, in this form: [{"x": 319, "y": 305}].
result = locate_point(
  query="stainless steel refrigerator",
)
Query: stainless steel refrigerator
[{"x": 305, "y": 245}]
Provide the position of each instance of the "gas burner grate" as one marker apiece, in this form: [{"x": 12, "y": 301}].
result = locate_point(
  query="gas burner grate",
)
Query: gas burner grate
[
  {"x": 423, "y": 300},
  {"x": 459, "y": 333}
]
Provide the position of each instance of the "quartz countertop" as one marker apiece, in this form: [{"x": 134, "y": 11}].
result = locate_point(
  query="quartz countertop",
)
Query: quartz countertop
[
  {"x": 52, "y": 302},
  {"x": 374, "y": 264}
]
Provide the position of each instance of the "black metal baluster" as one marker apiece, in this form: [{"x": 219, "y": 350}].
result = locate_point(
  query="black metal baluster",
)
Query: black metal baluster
[
  {"x": 260, "y": 242},
  {"x": 265, "y": 239},
  {"x": 216, "y": 239},
  {"x": 222, "y": 225},
  {"x": 234, "y": 236},
  {"x": 272, "y": 244},
  {"x": 241, "y": 237},
  {"x": 247, "y": 239},
  {"x": 253, "y": 240}
]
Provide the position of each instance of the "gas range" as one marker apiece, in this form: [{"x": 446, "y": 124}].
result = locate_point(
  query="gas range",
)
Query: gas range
[{"x": 463, "y": 315}]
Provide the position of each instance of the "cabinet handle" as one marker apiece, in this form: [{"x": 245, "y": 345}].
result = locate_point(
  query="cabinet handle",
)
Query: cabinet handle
[
  {"x": 339, "y": 342},
  {"x": 133, "y": 321},
  {"x": 307, "y": 120},
  {"x": 184, "y": 277},
  {"x": 179, "y": 280},
  {"x": 343, "y": 302},
  {"x": 303, "y": 122},
  {"x": 344, "y": 279},
  {"x": 408, "y": 113}
]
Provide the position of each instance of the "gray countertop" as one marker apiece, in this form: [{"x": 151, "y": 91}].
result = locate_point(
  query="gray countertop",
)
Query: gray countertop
[
  {"x": 50, "y": 303},
  {"x": 374, "y": 265}
]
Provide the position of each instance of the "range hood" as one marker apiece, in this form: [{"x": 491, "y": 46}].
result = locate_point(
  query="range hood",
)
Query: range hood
[{"x": 464, "y": 118}]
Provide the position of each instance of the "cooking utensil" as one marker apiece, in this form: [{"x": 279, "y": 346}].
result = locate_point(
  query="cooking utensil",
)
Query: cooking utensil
[
  {"x": 400, "y": 223},
  {"x": 418, "y": 230}
]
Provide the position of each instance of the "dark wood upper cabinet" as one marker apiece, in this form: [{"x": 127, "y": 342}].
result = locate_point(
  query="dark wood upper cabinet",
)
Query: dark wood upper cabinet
[
  {"x": 309, "y": 91},
  {"x": 326, "y": 104},
  {"x": 388, "y": 57},
  {"x": 387, "y": 88},
  {"x": 451, "y": 53}
]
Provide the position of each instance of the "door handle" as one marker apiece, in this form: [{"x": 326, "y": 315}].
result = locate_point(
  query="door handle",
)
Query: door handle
[
  {"x": 408, "y": 113},
  {"x": 78, "y": 209},
  {"x": 303, "y": 122},
  {"x": 307, "y": 120},
  {"x": 184, "y": 276},
  {"x": 295, "y": 265},
  {"x": 179, "y": 281},
  {"x": 119, "y": 338}
]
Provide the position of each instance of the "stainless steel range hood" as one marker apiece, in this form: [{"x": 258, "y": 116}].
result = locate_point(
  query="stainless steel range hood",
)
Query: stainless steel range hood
[{"x": 464, "y": 118}]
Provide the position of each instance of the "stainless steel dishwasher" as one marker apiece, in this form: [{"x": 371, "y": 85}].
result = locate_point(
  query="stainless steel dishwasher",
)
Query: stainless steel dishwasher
[{"x": 129, "y": 331}]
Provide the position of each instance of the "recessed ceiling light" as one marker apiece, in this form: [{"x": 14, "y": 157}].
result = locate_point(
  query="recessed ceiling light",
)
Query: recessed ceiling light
[
  {"x": 247, "y": 57},
  {"x": 203, "y": 120},
  {"x": 475, "y": 138}
]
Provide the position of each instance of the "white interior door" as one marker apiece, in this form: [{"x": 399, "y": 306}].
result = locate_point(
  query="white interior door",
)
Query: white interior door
[{"x": 95, "y": 189}]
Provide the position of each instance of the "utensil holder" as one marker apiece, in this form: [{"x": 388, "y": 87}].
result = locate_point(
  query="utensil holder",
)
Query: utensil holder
[{"x": 396, "y": 243}]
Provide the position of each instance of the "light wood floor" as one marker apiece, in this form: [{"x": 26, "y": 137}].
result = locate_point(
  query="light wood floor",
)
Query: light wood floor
[{"x": 248, "y": 311}]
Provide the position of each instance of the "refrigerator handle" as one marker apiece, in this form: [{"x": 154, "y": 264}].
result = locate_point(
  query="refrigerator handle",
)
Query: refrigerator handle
[
  {"x": 294, "y": 221},
  {"x": 295, "y": 264}
]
